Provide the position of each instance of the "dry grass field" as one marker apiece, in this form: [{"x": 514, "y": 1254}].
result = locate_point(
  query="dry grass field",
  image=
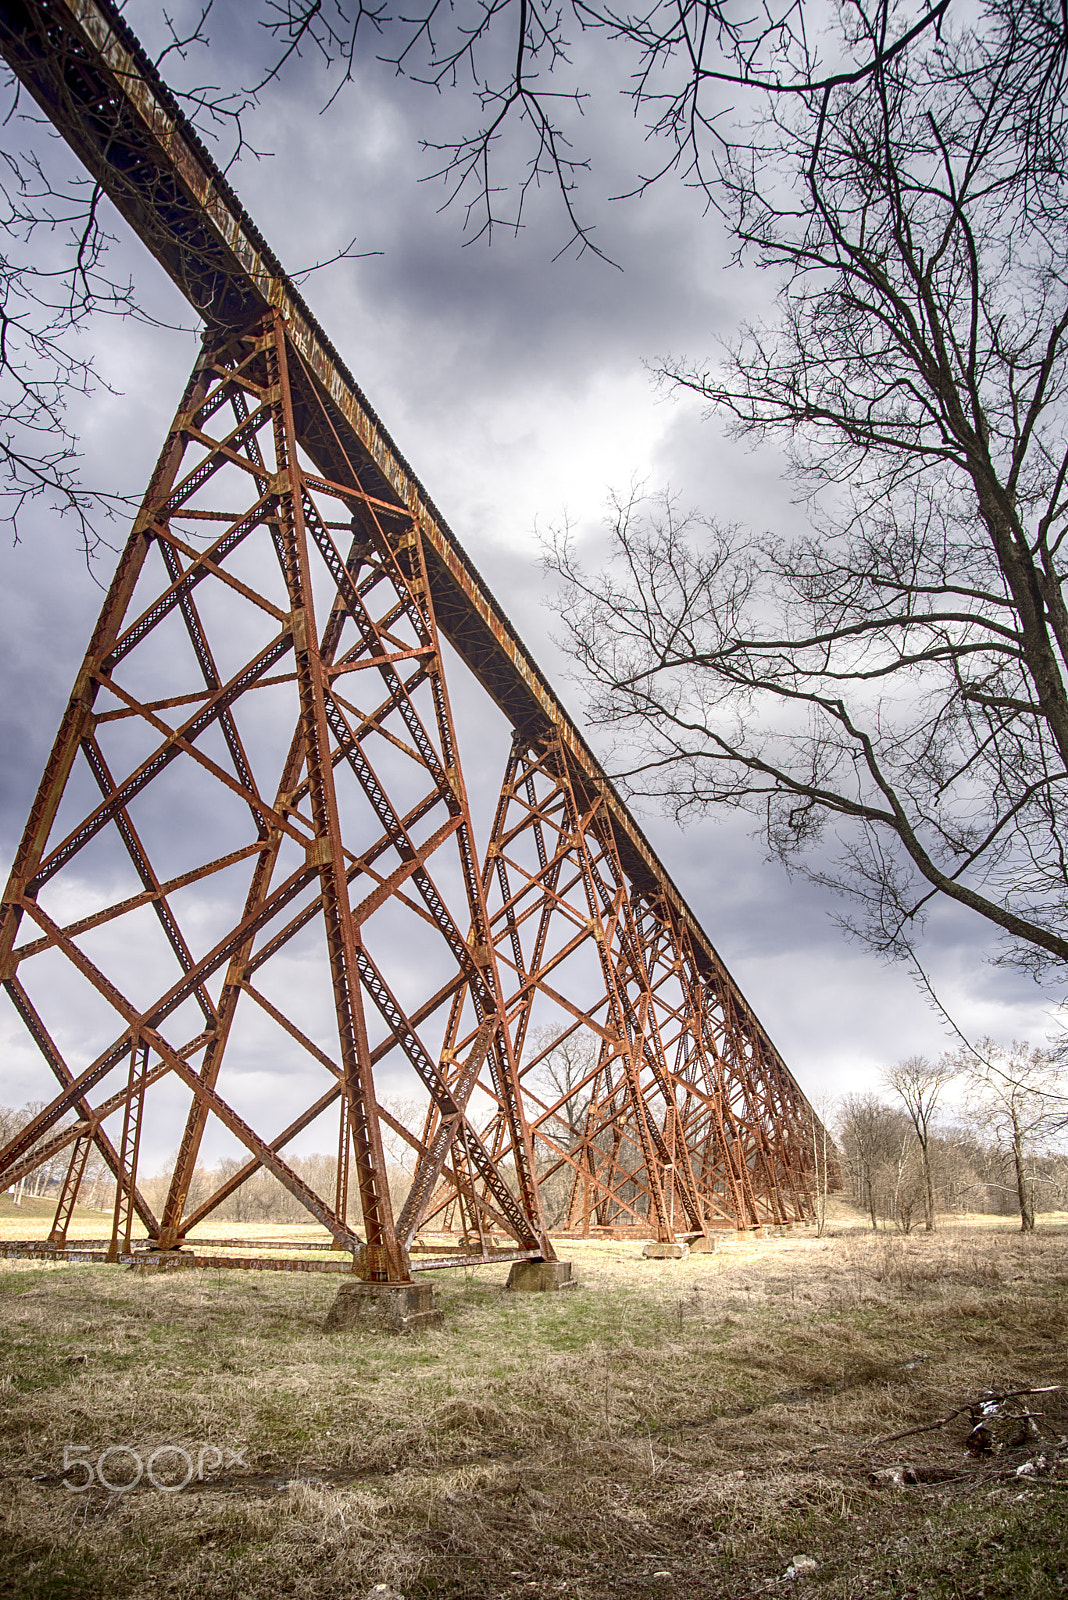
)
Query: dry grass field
[{"x": 666, "y": 1428}]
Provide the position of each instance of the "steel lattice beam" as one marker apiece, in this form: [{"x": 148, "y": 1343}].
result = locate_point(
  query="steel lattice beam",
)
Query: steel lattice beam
[{"x": 665, "y": 1122}]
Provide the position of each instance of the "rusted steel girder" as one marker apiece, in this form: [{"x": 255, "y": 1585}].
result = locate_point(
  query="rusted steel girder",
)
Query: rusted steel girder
[
  {"x": 690, "y": 1118},
  {"x": 87, "y": 70}
]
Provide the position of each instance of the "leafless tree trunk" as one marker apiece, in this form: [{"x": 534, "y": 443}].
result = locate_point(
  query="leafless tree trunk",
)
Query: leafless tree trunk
[
  {"x": 1020, "y": 1096},
  {"x": 1024, "y": 1195},
  {"x": 870, "y": 1135},
  {"x": 819, "y": 1166},
  {"x": 919, "y": 1083}
]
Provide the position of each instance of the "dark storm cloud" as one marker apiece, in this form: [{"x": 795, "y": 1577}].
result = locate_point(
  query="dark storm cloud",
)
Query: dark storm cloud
[{"x": 508, "y": 313}]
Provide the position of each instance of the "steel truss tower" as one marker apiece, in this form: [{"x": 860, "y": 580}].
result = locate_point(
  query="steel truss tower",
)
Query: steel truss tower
[{"x": 255, "y": 816}]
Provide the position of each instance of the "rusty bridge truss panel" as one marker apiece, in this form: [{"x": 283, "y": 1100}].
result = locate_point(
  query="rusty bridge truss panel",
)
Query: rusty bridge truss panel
[
  {"x": 254, "y": 818},
  {"x": 651, "y": 1109}
]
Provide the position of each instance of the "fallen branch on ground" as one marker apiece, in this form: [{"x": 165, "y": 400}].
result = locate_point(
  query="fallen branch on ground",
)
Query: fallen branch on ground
[{"x": 990, "y": 1400}]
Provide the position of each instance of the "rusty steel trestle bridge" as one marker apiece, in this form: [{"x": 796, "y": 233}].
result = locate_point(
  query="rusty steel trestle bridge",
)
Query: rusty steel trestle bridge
[{"x": 259, "y": 774}]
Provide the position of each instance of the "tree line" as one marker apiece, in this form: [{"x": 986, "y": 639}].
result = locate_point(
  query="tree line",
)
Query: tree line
[
  {"x": 982, "y": 1129},
  {"x": 997, "y": 1146}
]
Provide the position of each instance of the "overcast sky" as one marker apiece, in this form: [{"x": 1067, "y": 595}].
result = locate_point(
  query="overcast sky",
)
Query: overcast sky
[{"x": 519, "y": 390}]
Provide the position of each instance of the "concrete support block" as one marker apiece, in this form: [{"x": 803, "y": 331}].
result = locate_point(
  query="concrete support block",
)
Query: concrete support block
[
  {"x": 383, "y": 1308},
  {"x": 703, "y": 1244},
  {"x": 655, "y": 1250},
  {"x": 539, "y": 1277}
]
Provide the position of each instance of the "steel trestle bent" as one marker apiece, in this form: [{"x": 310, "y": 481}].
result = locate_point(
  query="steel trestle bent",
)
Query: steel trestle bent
[{"x": 366, "y": 799}]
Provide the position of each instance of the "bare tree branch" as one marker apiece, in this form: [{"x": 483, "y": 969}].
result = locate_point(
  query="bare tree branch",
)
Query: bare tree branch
[{"x": 894, "y": 683}]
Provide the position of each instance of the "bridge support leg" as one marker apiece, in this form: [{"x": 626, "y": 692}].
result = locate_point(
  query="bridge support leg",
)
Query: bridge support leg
[{"x": 659, "y": 1250}]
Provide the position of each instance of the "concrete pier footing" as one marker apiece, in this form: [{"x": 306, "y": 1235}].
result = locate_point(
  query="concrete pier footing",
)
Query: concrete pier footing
[
  {"x": 657, "y": 1250},
  {"x": 383, "y": 1308},
  {"x": 539, "y": 1277}
]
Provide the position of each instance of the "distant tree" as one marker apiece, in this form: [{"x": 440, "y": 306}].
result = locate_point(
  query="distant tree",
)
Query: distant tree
[
  {"x": 824, "y": 1155},
  {"x": 870, "y": 1135},
  {"x": 957, "y": 1160},
  {"x": 561, "y": 1062},
  {"x": 97, "y": 1182},
  {"x": 1019, "y": 1095},
  {"x": 11, "y": 1120},
  {"x": 1059, "y": 1183},
  {"x": 244, "y": 1204},
  {"x": 51, "y": 1168},
  {"x": 919, "y": 1083},
  {"x": 906, "y": 1188},
  {"x": 409, "y": 1112}
]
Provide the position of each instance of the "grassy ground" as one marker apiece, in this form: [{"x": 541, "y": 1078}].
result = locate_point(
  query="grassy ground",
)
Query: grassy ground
[{"x": 667, "y": 1428}]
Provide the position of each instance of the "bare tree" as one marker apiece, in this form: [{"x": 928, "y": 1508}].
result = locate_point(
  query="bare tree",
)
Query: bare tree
[
  {"x": 53, "y": 282},
  {"x": 57, "y": 280},
  {"x": 919, "y": 1083},
  {"x": 37, "y": 1181},
  {"x": 900, "y": 1178},
  {"x": 11, "y": 1120},
  {"x": 870, "y": 1135},
  {"x": 824, "y": 1155},
  {"x": 690, "y": 73},
  {"x": 561, "y": 1066},
  {"x": 1059, "y": 1183},
  {"x": 893, "y": 684},
  {"x": 1019, "y": 1095},
  {"x": 406, "y": 1111},
  {"x": 820, "y": 1140}
]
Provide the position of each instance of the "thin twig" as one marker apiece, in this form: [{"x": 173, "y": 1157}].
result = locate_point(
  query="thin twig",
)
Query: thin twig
[{"x": 926, "y": 1427}]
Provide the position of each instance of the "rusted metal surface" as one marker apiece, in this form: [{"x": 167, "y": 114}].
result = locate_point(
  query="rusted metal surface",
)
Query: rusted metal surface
[
  {"x": 263, "y": 715},
  {"x": 77, "y": 1254},
  {"x": 76, "y": 56},
  {"x": 69, "y": 1189}
]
